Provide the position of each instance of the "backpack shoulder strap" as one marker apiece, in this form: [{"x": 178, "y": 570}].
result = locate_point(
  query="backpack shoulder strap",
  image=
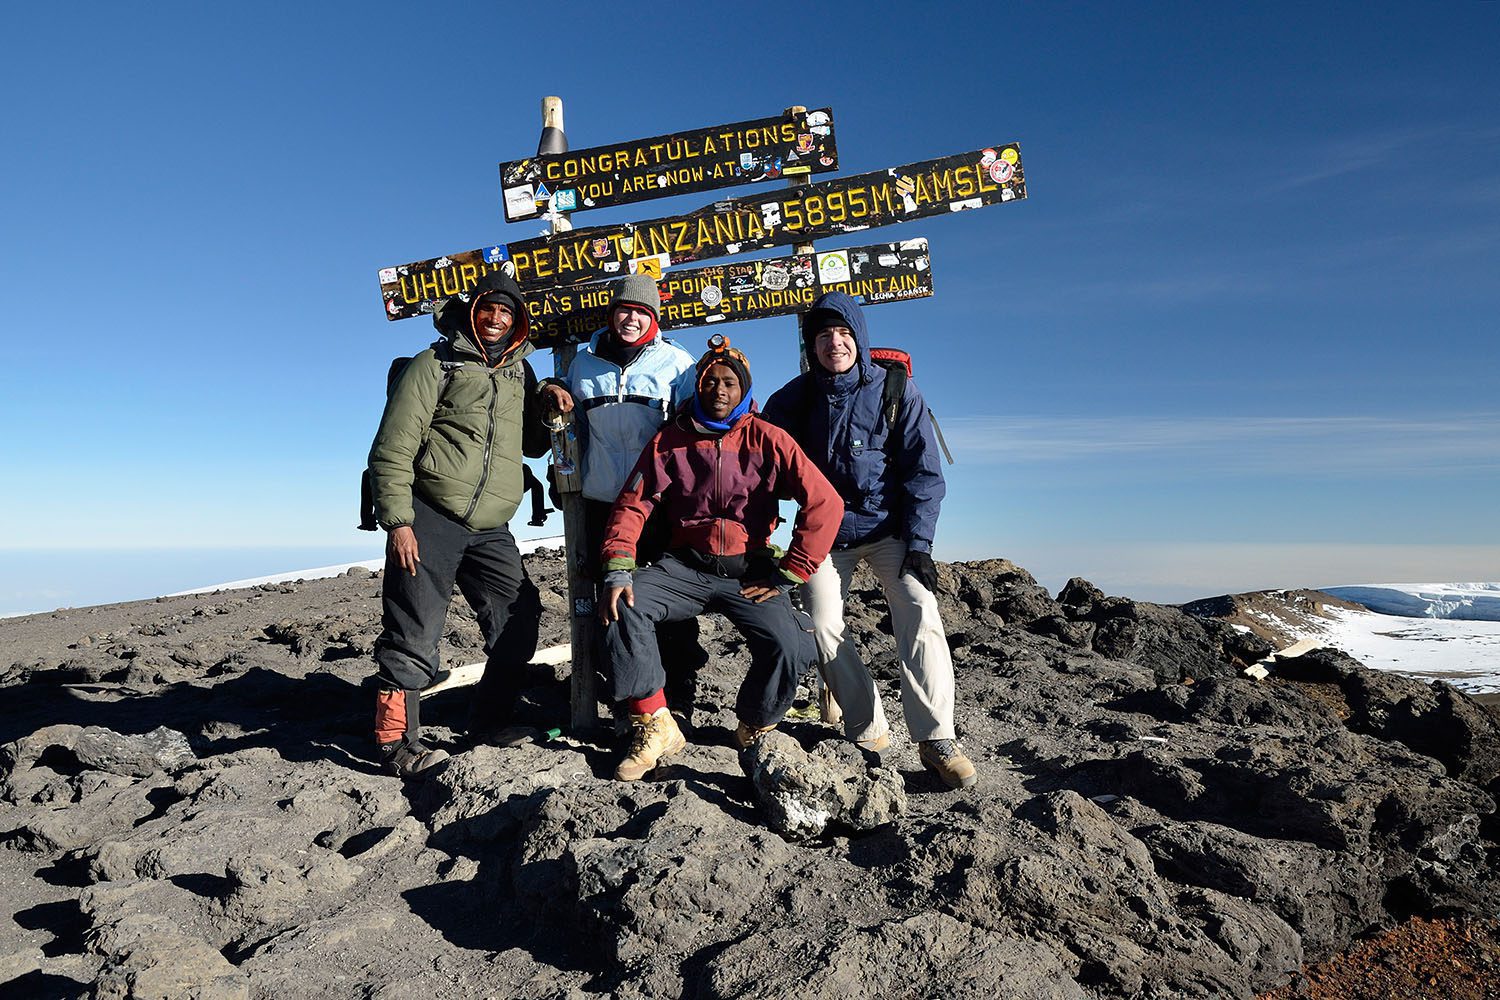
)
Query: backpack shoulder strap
[{"x": 897, "y": 365}]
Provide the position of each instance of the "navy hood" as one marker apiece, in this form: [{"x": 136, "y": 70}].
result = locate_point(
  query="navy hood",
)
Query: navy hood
[{"x": 848, "y": 311}]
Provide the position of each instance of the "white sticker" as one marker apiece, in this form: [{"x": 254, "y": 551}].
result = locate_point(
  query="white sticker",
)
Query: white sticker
[
  {"x": 711, "y": 296},
  {"x": 520, "y": 201},
  {"x": 775, "y": 277},
  {"x": 959, "y": 206},
  {"x": 833, "y": 267},
  {"x": 387, "y": 275}
]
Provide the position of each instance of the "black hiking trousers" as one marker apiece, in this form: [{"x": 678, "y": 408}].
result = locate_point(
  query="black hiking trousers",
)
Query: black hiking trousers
[
  {"x": 486, "y": 566},
  {"x": 776, "y": 634}
]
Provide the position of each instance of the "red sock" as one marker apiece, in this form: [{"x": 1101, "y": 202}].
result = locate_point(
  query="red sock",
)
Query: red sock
[{"x": 647, "y": 705}]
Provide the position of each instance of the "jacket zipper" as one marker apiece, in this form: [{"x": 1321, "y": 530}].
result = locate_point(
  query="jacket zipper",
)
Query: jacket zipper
[
  {"x": 489, "y": 439},
  {"x": 719, "y": 491}
]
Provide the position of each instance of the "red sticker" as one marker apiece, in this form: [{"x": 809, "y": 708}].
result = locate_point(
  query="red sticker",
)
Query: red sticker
[{"x": 1000, "y": 171}]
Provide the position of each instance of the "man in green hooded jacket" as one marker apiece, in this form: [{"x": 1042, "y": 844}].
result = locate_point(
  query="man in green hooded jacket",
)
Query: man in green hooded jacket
[{"x": 446, "y": 472}]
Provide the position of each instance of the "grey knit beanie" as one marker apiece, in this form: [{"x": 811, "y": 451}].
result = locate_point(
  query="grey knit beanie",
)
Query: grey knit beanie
[{"x": 638, "y": 290}]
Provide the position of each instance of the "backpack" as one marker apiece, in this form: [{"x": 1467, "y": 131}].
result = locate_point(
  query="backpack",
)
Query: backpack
[
  {"x": 444, "y": 352},
  {"x": 897, "y": 365}
]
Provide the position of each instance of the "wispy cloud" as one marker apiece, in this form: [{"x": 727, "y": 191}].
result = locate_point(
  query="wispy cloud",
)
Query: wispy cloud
[
  {"x": 1328, "y": 446},
  {"x": 1340, "y": 156}
]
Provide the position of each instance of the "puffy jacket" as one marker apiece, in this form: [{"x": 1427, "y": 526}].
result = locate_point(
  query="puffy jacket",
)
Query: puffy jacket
[
  {"x": 890, "y": 477},
  {"x": 620, "y": 408},
  {"x": 720, "y": 492},
  {"x": 463, "y": 453}
]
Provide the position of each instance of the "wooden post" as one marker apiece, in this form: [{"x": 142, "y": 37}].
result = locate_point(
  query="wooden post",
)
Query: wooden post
[
  {"x": 569, "y": 475},
  {"x": 828, "y": 707},
  {"x": 798, "y": 181}
]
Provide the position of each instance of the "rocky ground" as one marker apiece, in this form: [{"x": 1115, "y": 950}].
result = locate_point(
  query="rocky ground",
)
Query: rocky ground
[{"x": 1148, "y": 822}]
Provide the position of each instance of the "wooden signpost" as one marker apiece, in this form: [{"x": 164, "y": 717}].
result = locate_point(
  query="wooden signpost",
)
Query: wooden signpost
[
  {"x": 665, "y": 165},
  {"x": 989, "y": 176},
  {"x": 755, "y": 289},
  {"x": 565, "y": 273}
]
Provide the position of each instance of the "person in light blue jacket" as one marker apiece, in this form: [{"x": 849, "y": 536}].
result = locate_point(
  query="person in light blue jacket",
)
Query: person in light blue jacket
[{"x": 625, "y": 384}]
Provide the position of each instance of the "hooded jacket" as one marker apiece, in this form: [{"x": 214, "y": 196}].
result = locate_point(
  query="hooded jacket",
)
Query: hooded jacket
[
  {"x": 890, "y": 477},
  {"x": 462, "y": 453},
  {"x": 622, "y": 407},
  {"x": 720, "y": 493}
]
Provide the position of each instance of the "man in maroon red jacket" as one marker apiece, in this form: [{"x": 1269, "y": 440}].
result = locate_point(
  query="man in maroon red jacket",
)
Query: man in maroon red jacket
[{"x": 718, "y": 471}]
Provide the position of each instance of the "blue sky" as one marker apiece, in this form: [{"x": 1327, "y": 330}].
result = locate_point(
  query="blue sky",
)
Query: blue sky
[{"x": 1242, "y": 333}]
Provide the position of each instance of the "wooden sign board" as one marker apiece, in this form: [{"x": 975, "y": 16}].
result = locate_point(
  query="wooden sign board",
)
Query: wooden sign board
[
  {"x": 790, "y": 215},
  {"x": 682, "y": 163},
  {"x": 755, "y": 289},
  {"x": 989, "y": 176}
]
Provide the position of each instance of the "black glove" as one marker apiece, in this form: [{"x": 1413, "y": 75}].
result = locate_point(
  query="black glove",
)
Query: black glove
[{"x": 919, "y": 565}]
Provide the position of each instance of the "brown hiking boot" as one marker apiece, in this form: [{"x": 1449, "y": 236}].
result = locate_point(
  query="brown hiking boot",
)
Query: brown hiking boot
[
  {"x": 410, "y": 759},
  {"x": 653, "y": 738},
  {"x": 947, "y": 761},
  {"x": 747, "y": 736},
  {"x": 879, "y": 744}
]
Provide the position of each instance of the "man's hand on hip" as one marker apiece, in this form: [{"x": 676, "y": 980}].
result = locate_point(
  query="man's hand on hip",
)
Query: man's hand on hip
[
  {"x": 402, "y": 543},
  {"x": 609, "y": 611}
]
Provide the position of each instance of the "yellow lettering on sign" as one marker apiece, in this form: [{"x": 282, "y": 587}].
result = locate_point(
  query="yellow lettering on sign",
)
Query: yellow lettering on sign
[
  {"x": 410, "y": 294},
  {"x": 651, "y": 241},
  {"x": 468, "y": 275},
  {"x": 522, "y": 260},
  {"x": 965, "y": 182}
]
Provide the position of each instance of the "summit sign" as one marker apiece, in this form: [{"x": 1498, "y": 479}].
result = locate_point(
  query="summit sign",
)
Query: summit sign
[
  {"x": 928, "y": 188},
  {"x": 684, "y": 162}
]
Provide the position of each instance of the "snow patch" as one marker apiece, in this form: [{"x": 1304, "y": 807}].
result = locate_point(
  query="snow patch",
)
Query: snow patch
[{"x": 324, "y": 572}]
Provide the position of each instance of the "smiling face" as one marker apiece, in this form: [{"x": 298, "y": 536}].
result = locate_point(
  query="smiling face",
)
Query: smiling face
[
  {"x": 719, "y": 391},
  {"x": 835, "y": 349},
  {"x": 492, "y": 321},
  {"x": 630, "y": 322}
]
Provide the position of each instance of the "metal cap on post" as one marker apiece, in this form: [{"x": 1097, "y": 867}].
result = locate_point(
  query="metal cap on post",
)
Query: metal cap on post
[{"x": 553, "y": 139}]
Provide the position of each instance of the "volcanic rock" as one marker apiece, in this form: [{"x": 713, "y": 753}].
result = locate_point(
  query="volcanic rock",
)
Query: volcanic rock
[
  {"x": 1149, "y": 822},
  {"x": 803, "y": 794}
]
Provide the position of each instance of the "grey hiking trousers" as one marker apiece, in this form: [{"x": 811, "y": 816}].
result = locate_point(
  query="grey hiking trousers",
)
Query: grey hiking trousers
[{"x": 776, "y": 634}]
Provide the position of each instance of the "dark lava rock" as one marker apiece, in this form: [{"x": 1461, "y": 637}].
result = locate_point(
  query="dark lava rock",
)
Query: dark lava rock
[{"x": 1149, "y": 823}]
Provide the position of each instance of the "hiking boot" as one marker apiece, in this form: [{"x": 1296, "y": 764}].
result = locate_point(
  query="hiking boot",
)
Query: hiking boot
[
  {"x": 654, "y": 737},
  {"x": 747, "y": 736},
  {"x": 879, "y": 744},
  {"x": 410, "y": 759},
  {"x": 947, "y": 761}
]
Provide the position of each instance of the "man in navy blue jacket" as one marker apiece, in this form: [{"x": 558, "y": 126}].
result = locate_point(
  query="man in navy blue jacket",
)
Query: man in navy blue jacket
[{"x": 889, "y": 476}]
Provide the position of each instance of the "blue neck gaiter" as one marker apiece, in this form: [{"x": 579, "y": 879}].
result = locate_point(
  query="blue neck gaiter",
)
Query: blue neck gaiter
[{"x": 735, "y": 414}]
